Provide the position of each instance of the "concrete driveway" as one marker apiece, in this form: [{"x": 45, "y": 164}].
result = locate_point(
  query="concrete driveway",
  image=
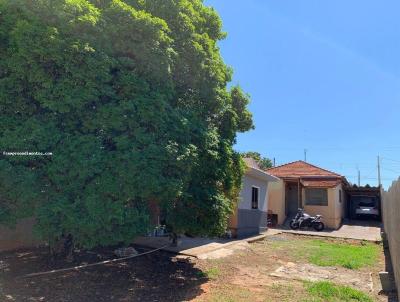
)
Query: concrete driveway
[{"x": 351, "y": 229}]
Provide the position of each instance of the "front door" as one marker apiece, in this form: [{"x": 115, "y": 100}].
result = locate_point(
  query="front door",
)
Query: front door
[{"x": 292, "y": 199}]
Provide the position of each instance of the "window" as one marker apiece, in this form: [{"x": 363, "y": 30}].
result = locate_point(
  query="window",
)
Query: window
[
  {"x": 254, "y": 197},
  {"x": 316, "y": 197}
]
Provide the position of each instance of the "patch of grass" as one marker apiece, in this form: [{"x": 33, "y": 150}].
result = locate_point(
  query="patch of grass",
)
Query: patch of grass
[
  {"x": 326, "y": 292},
  {"x": 325, "y": 253},
  {"x": 212, "y": 273}
]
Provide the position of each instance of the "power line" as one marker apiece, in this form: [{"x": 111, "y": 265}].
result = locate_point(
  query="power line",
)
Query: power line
[
  {"x": 333, "y": 148},
  {"x": 370, "y": 172},
  {"x": 391, "y": 170},
  {"x": 393, "y": 160},
  {"x": 368, "y": 178}
]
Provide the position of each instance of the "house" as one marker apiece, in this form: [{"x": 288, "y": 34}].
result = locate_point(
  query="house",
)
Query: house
[
  {"x": 303, "y": 185},
  {"x": 250, "y": 215}
]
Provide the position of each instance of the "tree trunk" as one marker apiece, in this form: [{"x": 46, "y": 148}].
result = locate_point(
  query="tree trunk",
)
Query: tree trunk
[
  {"x": 174, "y": 238},
  {"x": 63, "y": 249}
]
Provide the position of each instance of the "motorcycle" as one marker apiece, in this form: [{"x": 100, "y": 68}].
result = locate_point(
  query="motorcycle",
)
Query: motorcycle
[{"x": 302, "y": 219}]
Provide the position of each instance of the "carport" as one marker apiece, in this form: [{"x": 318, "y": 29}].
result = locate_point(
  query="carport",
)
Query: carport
[{"x": 356, "y": 194}]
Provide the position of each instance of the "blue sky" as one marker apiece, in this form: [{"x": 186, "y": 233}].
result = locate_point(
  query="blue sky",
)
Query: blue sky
[{"x": 323, "y": 76}]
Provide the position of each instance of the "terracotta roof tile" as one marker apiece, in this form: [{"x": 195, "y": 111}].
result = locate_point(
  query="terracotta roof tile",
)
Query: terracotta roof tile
[{"x": 300, "y": 169}]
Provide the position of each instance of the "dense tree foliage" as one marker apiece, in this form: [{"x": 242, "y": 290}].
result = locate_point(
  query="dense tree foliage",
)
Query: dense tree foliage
[
  {"x": 263, "y": 162},
  {"x": 131, "y": 98}
]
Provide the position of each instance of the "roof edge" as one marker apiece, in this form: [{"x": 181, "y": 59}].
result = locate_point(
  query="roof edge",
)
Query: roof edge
[
  {"x": 302, "y": 161},
  {"x": 261, "y": 174}
]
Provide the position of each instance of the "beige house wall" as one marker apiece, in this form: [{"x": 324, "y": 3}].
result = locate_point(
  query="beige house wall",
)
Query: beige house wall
[
  {"x": 19, "y": 237},
  {"x": 391, "y": 224},
  {"x": 332, "y": 213},
  {"x": 340, "y": 202},
  {"x": 276, "y": 200}
]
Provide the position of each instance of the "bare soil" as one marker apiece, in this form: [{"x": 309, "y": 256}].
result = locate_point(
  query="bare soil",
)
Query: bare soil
[
  {"x": 243, "y": 275},
  {"x": 155, "y": 277}
]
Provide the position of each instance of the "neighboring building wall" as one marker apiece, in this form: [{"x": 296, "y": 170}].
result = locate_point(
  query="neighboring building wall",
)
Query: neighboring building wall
[
  {"x": 332, "y": 213},
  {"x": 20, "y": 237},
  {"x": 391, "y": 216},
  {"x": 251, "y": 221},
  {"x": 276, "y": 200}
]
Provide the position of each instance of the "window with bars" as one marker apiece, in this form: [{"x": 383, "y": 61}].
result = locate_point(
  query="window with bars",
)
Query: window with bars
[
  {"x": 316, "y": 197},
  {"x": 254, "y": 197}
]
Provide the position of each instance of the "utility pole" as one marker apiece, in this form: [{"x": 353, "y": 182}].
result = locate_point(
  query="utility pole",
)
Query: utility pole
[
  {"x": 359, "y": 177},
  {"x": 305, "y": 155},
  {"x": 379, "y": 172},
  {"x": 274, "y": 163}
]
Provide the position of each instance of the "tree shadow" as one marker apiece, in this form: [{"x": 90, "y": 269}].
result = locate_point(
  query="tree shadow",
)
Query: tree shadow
[
  {"x": 363, "y": 221},
  {"x": 155, "y": 277},
  {"x": 392, "y": 295}
]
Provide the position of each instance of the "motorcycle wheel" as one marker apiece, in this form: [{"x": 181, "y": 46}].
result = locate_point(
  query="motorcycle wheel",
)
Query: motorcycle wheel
[
  {"x": 319, "y": 226},
  {"x": 294, "y": 225}
]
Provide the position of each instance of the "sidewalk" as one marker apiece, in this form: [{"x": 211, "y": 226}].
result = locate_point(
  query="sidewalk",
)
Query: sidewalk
[
  {"x": 358, "y": 230},
  {"x": 201, "y": 247}
]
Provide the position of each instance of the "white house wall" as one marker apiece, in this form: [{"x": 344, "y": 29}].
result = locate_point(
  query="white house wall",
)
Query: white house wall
[
  {"x": 245, "y": 194},
  {"x": 252, "y": 221}
]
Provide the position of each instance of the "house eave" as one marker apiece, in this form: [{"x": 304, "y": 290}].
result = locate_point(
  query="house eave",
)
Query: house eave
[{"x": 261, "y": 175}]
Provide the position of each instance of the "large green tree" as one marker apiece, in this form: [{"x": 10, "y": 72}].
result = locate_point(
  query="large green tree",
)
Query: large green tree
[
  {"x": 131, "y": 98},
  {"x": 263, "y": 162}
]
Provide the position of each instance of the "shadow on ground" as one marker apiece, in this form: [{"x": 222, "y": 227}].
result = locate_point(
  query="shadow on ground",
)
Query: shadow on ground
[
  {"x": 392, "y": 296},
  {"x": 366, "y": 221},
  {"x": 154, "y": 277}
]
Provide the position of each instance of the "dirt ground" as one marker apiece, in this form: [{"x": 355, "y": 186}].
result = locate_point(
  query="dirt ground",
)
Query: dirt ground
[
  {"x": 245, "y": 275},
  {"x": 256, "y": 274},
  {"x": 154, "y": 277}
]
